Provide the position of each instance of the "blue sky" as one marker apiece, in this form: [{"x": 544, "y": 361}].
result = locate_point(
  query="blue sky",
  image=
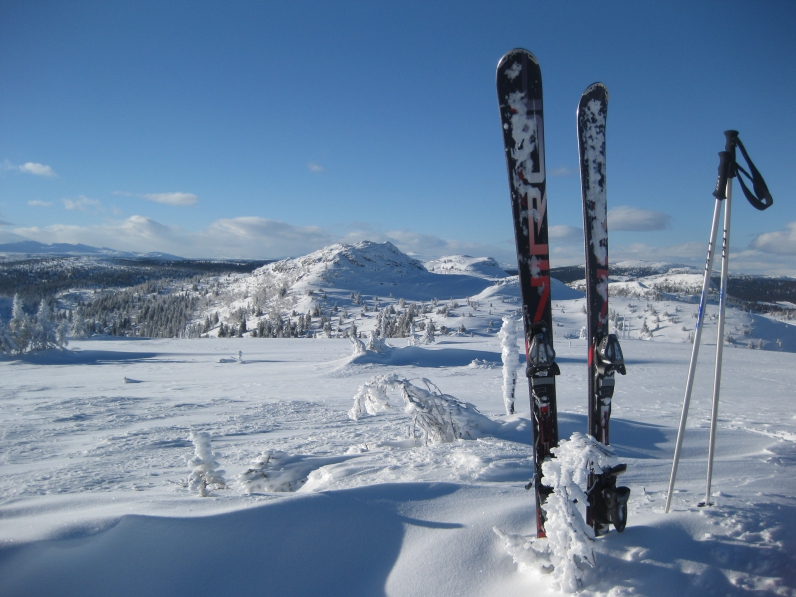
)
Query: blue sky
[{"x": 264, "y": 130}]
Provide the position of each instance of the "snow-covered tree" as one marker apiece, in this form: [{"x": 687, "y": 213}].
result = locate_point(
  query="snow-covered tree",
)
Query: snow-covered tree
[
  {"x": 358, "y": 347},
  {"x": 414, "y": 339},
  {"x": 376, "y": 343},
  {"x": 7, "y": 343},
  {"x": 645, "y": 332},
  {"x": 24, "y": 333},
  {"x": 437, "y": 417},
  {"x": 205, "y": 475},
  {"x": 508, "y": 343},
  {"x": 44, "y": 331},
  {"x": 428, "y": 334},
  {"x": 20, "y": 325},
  {"x": 569, "y": 546}
]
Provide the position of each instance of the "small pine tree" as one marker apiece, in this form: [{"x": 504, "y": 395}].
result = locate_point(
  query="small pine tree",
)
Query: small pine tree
[
  {"x": 428, "y": 333},
  {"x": 21, "y": 325}
]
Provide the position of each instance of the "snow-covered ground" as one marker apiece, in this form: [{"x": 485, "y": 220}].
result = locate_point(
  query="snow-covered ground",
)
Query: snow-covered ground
[{"x": 101, "y": 447}]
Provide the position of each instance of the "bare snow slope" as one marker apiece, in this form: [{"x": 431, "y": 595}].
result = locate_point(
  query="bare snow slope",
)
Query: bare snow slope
[{"x": 95, "y": 500}]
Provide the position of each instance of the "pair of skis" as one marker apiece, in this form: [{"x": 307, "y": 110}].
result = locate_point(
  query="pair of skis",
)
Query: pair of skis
[{"x": 519, "y": 87}]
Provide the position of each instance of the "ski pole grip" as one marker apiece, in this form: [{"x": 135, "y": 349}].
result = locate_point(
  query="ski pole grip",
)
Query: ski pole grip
[
  {"x": 725, "y": 164},
  {"x": 731, "y": 141}
]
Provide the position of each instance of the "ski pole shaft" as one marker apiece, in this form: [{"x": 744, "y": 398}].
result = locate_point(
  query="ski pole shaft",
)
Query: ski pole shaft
[
  {"x": 694, "y": 352},
  {"x": 725, "y": 259}
]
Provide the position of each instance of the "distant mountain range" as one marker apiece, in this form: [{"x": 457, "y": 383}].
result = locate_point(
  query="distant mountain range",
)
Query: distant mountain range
[{"x": 32, "y": 247}]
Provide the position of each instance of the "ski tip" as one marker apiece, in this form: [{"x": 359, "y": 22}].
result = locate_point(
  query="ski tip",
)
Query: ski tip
[
  {"x": 596, "y": 89},
  {"x": 514, "y": 54}
]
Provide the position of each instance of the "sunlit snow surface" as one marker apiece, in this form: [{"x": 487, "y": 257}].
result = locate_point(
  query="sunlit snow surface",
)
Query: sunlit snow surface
[{"x": 95, "y": 446}]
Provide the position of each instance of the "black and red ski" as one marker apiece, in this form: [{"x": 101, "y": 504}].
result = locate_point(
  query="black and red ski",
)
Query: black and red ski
[
  {"x": 607, "y": 502},
  {"x": 519, "y": 89}
]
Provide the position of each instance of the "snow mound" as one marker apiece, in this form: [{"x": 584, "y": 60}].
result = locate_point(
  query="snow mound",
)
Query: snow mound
[
  {"x": 482, "y": 267},
  {"x": 277, "y": 471}
]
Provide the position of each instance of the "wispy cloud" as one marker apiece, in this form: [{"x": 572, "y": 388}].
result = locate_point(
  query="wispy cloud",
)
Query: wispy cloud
[
  {"x": 177, "y": 198},
  {"x": 749, "y": 260},
  {"x": 687, "y": 253},
  {"x": 82, "y": 203},
  {"x": 563, "y": 171},
  {"x": 38, "y": 203},
  {"x": 314, "y": 167},
  {"x": 565, "y": 234},
  {"x": 633, "y": 219},
  {"x": 780, "y": 242},
  {"x": 4, "y": 223},
  {"x": 30, "y": 168},
  {"x": 246, "y": 237}
]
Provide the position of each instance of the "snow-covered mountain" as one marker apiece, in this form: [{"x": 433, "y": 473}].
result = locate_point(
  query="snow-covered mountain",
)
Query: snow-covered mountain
[
  {"x": 482, "y": 267},
  {"x": 346, "y": 283},
  {"x": 367, "y": 267}
]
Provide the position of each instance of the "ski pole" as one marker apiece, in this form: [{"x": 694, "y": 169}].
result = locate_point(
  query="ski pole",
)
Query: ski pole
[
  {"x": 760, "y": 199},
  {"x": 694, "y": 352},
  {"x": 725, "y": 258},
  {"x": 727, "y": 171}
]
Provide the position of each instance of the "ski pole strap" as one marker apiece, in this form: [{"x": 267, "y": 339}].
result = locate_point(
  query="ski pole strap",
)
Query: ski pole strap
[
  {"x": 728, "y": 168},
  {"x": 761, "y": 199}
]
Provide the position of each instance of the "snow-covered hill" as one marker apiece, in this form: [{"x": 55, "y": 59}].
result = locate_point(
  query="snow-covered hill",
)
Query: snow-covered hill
[
  {"x": 366, "y": 267},
  {"x": 483, "y": 267},
  {"x": 348, "y": 286}
]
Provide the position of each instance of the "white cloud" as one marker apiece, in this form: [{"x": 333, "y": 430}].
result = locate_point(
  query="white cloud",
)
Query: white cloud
[
  {"x": 687, "y": 253},
  {"x": 563, "y": 171},
  {"x": 37, "y": 169},
  {"x": 6, "y": 236},
  {"x": 37, "y": 203},
  {"x": 633, "y": 219},
  {"x": 82, "y": 203},
  {"x": 171, "y": 198},
  {"x": 565, "y": 234},
  {"x": 315, "y": 167},
  {"x": 30, "y": 168},
  {"x": 247, "y": 237},
  {"x": 177, "y": 198},
  {"x": 780, "y": 242}
]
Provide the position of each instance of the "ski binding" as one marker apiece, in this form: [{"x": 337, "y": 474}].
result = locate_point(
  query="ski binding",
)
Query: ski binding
[{"x": 609, "y": 502}]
